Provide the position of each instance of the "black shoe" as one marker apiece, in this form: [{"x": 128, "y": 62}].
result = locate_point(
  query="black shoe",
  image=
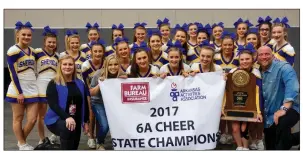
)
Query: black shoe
[{"x": 44, "y": 145}]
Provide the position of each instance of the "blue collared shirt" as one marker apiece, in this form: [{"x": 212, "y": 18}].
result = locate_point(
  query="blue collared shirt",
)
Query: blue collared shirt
[{"x": 280, "y": 85}]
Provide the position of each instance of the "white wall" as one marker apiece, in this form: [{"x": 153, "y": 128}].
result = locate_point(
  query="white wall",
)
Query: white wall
[{"x": 105, "y": 18}]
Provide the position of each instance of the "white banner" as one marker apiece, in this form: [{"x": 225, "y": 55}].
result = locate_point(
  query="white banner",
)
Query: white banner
[{"x": 174, "y": 113}]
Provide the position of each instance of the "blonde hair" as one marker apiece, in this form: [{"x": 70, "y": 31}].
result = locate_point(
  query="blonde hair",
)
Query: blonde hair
[
  {"x": 59, "y": 78},
  {"x": 212, "y": 64},
  {"x": 135, "y": 31},
  {"x": 281, "y": 25},
  {"x": 104, "y": 69},
  {"x": 68, "y": 38},
  {"x": 17, "y": 32}
]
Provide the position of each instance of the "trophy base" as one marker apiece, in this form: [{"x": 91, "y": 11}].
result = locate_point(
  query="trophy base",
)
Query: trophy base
[
  {"x": 244, "y": 119},
  {"x": 240, "y": 114},
  {"x": 237, "y": 115}
]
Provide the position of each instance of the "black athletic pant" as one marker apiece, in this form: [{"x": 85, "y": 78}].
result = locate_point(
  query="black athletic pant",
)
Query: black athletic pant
[
  {"x": 279, "y": 137},
  {"x": 69, "y": 140}
]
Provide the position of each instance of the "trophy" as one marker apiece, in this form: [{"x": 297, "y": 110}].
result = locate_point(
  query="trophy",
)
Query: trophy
[{"x": 240, "y": 97}]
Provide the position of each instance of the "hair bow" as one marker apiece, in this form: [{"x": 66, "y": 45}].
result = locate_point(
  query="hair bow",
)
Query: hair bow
[
  {"x": 99, "y": 42},
  {"x": 248, "y": 47},
  {"x": 240, "y": 20},
  {"x": 150, "y": 33},
  {"x": 261, "y": 20},
  {"x": 118, "y": 40},
  {"x": 284, "y": 21},
  {"x": 119, "y": 27},
  {"x": 143, "y": 24},
  {"x": 253, "y": 30},
  {"x": 220, "y": 24},
  {"x": 165, "y": 21},
  {"x": 195, "y": 23},
  {"x": 207, "y": 28},
  {"x": 69, "y": 32},
  {"x": 177, "y": 44},
  {"x": 89, "y": 26},
  {"x": 142, "y": 45},
  {"x": 20, "y": 25},
  {"x": 206, "y": 43},
  {"x": 184, "y": 27},
  {"x": 48, "y": 30},
  {"x": 226, "y": 33}
]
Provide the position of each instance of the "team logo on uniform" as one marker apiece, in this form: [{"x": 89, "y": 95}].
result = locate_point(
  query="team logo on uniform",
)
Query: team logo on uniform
[
  {"x": 137, "y": 92},
  {"x": 174, "y": 92}
]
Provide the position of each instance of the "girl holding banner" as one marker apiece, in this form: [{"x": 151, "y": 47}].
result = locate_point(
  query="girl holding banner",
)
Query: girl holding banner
[
  {"x": 140, "y": 66},
  {"x": 175, "y": 66},
  {"x": 111, "y": 69}
]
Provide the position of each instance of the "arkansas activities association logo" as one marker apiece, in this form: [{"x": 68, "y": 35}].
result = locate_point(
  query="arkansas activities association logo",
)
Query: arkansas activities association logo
[
  {"x": 135, "y": 92},
  {"x": 186, "y": 94}
]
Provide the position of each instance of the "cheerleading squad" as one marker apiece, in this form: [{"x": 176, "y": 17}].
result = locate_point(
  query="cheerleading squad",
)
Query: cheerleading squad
[{"x": 68, "y": 82}]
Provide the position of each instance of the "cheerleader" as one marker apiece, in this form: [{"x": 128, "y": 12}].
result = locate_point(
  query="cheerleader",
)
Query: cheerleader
[
  {"x": 93, "y": 35},
  {"x": 117, "y": 31},
  {"x": 22, "y": 92},
  {"x": 227, "y": 57},
  {"x": 282, "y": 49},
  {"x": 205, "y": 64},
  {"x": 123, "y": 53},
  {"x": 139, "y": 34},
  {"x": 180, "y": 34},
  {"x": 164, "y": 27},
  {"x": 140, "y": 66},
  {"x": 89, "y": 67},
  {"x": 264, "y": 28},
  {"x": 240, "y": 130},
  {"x": 203, "y": 34},
  {"x": 192, "y": 32},
  {"x": 159, "y": 57},
  {"x": 217, "y": 30},
  {"x": 72, "y": 42},
  {"x": 47, "y": 63},
  {"x": 175, "y": 66},
  {"x": 253, "y": 38},
  {"x": 241, "y": 28},
  {"x": 228, "y": 60}
]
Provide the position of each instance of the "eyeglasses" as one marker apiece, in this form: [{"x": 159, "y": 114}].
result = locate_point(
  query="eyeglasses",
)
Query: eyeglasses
[{"x": 264, "y": 29}]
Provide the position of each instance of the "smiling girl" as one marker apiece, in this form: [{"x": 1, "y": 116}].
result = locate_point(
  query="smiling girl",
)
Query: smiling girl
[
  {"x": 22, "y": 92},
  {"x": 117, "y": 31},
  {"x": 159, "y": 57},
  {"x": 92, "y": 35},
  {"x": 283, "y": 50},
  {"x": 47, "y": 63}
]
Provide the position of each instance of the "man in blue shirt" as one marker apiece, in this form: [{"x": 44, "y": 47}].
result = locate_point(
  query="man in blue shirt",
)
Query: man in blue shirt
[{"x": 280, "y": 88}]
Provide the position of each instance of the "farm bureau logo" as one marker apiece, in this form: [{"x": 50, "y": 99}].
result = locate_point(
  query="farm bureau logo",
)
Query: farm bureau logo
[
  {"x": 186, "y": 94},
  {"x": 135, "y": 92}
]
